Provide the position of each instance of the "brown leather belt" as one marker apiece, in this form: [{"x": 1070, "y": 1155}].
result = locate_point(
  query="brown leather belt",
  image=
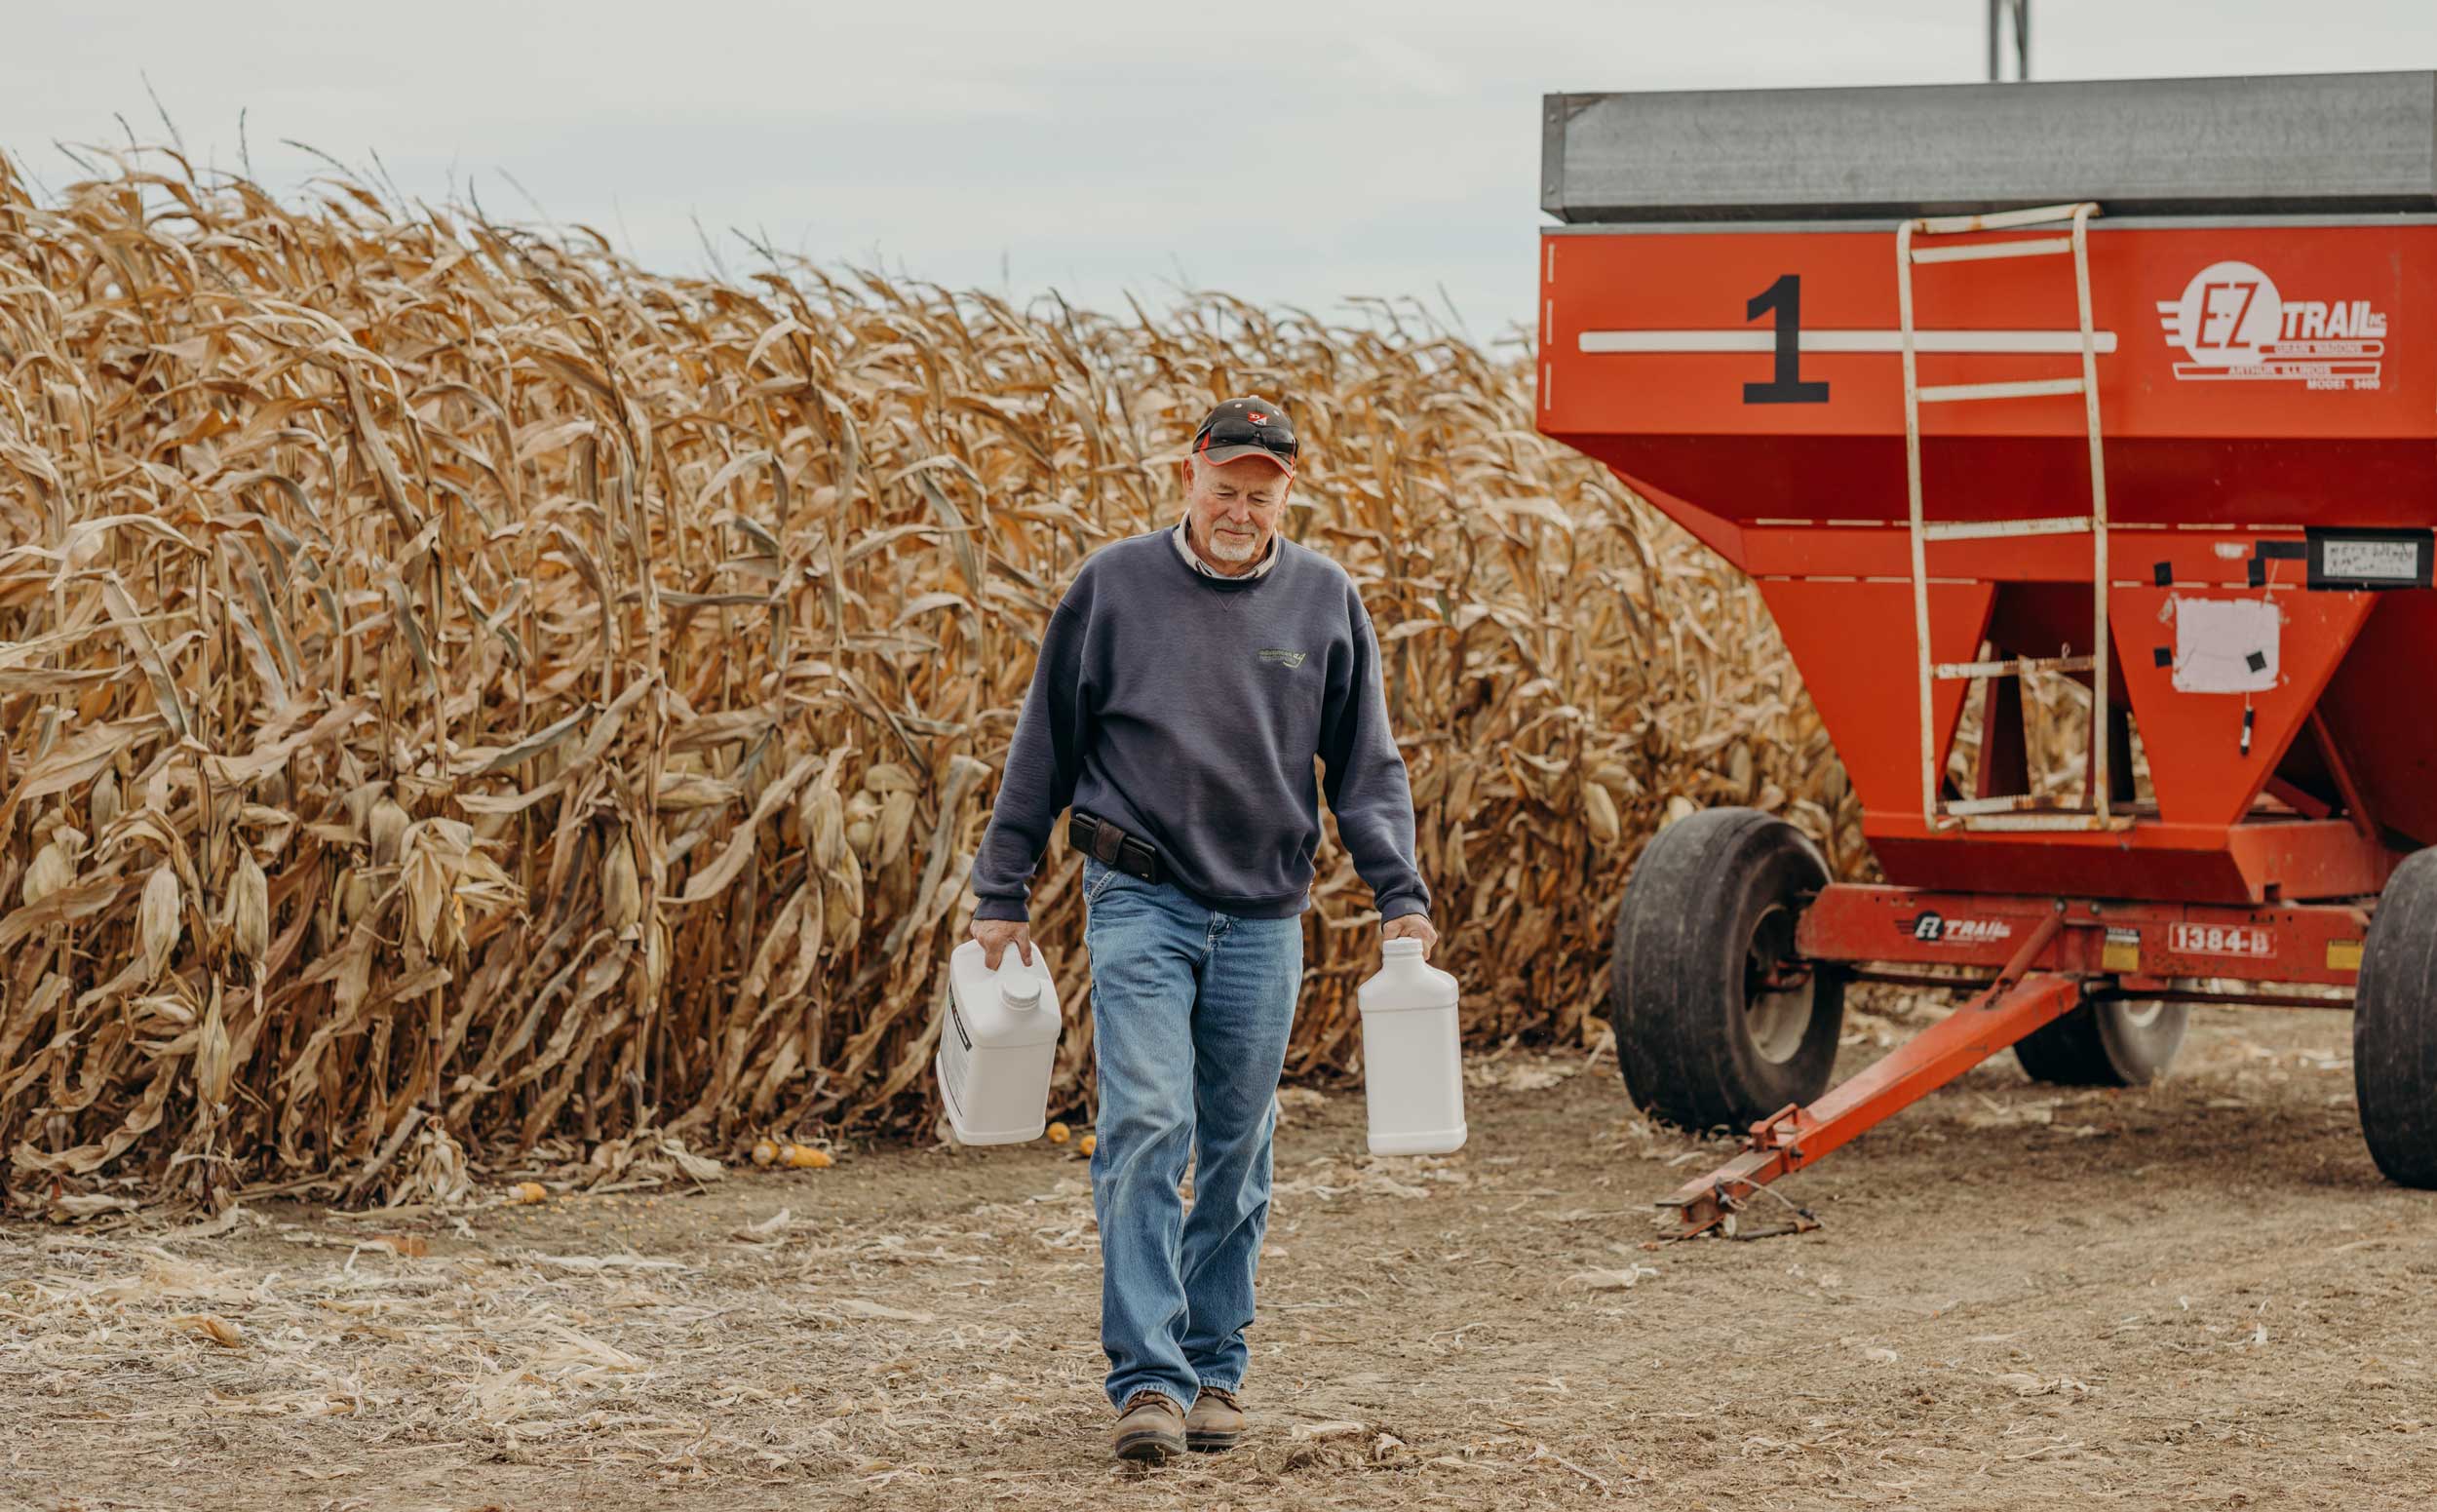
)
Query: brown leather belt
[{"x": 1103, "y": 842}]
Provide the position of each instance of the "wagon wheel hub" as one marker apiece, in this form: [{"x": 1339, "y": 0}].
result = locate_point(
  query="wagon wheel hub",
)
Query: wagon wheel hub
[{"x": 1776, "y": 988}]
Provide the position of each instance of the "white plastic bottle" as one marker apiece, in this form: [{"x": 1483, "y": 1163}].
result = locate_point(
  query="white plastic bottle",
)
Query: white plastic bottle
[
  {"x": 1413, "y": 1057},
  {"x": 997, "y": 1046}
]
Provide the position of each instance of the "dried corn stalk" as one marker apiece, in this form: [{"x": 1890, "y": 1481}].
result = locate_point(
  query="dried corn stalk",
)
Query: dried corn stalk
[{"x": 459, "y": 689}]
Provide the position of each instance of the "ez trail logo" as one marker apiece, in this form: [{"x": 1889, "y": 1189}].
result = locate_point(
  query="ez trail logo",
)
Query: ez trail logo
[
  {"x": 1939, "y": 929},
  {"x": 2235, "y": 324}
]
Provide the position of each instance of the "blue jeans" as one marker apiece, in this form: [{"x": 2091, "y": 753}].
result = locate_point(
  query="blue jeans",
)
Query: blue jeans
[{"x": 1190, "y": 1011}]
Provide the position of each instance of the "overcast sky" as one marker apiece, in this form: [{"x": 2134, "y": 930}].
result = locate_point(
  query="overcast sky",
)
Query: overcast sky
[{"x": 1291, "y": 153}]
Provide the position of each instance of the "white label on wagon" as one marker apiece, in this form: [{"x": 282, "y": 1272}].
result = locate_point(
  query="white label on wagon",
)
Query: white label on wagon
[
  {"x": 2369, "y": 561},
  {"x": 2249, "y": 941},
  {"x": 2234, "y": 324},
  {"x": 2226, "y": 645}
]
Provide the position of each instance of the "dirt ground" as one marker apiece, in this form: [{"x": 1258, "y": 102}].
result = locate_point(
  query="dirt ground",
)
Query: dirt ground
[{"x": 2197, "y": 1294}]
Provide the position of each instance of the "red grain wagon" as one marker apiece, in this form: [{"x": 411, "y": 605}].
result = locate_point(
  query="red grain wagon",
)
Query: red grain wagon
[{"x": 2130, "y": 386}]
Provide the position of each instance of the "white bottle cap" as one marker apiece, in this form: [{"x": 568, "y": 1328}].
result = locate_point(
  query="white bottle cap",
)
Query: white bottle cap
[
  {"x": 1402, "y": 950},
  {"x": 1018, "y": 987}
]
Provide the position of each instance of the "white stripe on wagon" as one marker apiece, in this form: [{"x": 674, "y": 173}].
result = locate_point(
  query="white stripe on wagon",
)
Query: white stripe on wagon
[{"x": 1764, "y": 340}]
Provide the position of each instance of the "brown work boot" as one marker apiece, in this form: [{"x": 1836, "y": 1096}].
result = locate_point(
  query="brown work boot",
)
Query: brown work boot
[
  {"x": 1215, "y": 1423},
  {"x": 1149, "y": 1428}
]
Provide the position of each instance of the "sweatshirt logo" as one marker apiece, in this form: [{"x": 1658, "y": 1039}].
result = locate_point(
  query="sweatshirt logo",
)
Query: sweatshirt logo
[{"x": 1284, "y": 658}]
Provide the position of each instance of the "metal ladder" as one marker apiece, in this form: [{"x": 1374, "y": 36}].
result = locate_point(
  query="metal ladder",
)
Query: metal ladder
[{"x": 2012, "y": 812}]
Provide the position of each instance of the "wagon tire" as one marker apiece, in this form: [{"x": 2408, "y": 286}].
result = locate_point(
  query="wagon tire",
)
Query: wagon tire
[
  {"x": 1707, "y": 923},
  {"x": 2394, "y": 1026},
  {"x": 2106, "y": 1044}
]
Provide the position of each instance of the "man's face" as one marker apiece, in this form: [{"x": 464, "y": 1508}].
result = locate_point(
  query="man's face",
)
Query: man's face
[{"x": 1233, "y": 510}]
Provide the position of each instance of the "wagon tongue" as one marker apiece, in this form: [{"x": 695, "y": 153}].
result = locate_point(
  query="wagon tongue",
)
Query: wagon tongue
[{"x": 2016, "y": 1004}]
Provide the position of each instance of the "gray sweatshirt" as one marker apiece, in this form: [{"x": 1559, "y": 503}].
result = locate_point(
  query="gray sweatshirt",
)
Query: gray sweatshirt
[{"x": 1186, "y": 709}]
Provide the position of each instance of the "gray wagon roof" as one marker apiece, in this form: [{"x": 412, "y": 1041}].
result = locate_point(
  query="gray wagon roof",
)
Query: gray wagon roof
[{"x": 2278, "y": 142}]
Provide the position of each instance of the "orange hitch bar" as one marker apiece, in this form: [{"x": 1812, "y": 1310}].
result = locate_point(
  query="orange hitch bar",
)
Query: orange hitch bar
[{"x": 2012, "y": 1007}]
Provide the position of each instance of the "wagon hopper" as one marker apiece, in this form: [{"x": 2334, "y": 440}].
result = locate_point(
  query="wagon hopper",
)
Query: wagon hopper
[{"x": 2131, "y": 386}]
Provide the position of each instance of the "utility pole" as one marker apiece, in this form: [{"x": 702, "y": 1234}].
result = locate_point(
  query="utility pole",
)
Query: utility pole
[{"x": 2019, "y": 10}]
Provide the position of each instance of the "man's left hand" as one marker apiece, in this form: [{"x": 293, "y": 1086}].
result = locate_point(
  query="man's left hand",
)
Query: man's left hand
[{"x": 1411, "y": 926}]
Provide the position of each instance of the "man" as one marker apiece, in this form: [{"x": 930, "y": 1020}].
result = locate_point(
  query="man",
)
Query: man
[{"x": 1186, "y": 683}]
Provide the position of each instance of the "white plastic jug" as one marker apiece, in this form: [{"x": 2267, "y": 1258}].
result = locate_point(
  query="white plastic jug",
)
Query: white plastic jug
[
  {"x": 1412, "y": 1059},
  {"x": 997, "y": 1046}
]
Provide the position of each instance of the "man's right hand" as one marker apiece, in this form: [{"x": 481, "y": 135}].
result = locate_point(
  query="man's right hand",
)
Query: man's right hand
[{"x": 997, "y": 934}]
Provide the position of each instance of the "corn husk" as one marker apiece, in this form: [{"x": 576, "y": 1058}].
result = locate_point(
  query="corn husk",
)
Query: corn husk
[
  {"x": 1598, "y": 813},
  {"x": 53, "y": 869},
  {"x": 388, "y": 828},
  {"x": 621, "y": 892},
  {"x": 160, "y": 922},
  {"x": 104, "y": 806},
  {"x": 249, "y": 909},
  {"x": 213, "y": 1065}
]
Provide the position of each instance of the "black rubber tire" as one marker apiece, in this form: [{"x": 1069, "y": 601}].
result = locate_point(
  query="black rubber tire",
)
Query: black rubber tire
[
  {"x": 1715, "y": 893},
  {"x": 2394, "y": 1026},
  {"x": 2109, "y": 1044}
]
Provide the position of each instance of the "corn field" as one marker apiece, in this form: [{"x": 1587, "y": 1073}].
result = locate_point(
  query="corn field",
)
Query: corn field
[{"x": 462, "y": 695}]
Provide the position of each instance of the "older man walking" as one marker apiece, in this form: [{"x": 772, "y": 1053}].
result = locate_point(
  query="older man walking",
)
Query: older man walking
[{"x": 1186, "y": 683}]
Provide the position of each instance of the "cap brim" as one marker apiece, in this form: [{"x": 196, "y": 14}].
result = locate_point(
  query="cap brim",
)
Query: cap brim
[{"x": 1219, "y": 456}]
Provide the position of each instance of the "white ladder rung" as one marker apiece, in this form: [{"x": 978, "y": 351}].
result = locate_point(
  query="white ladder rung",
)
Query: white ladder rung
[
  {"x": 2012, "y": 667},
  {"x": 2025, "y": 247},
  {"x": 2000, "y": 220},
  {"x": 1981, "y": 808},
  {"x": 2081, "y": 821},
  {"x": 1986, "y": 529},
  {"x": 2029, "y": 388}
]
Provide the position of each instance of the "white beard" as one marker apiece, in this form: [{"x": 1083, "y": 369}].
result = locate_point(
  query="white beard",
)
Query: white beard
[{"x": 1219, "y": 548}]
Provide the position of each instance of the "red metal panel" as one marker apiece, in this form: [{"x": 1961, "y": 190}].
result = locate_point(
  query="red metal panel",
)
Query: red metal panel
[
  {"x": 2203, "y": 423},
  {"x": 2191, "y": 557},
  {"x": 2004, "y": 767},
  {"x": 2250, "y": 863},
  {"x": 1853, "y": 644},
  {"x": 2202, "y": 479},
  {"x": 2272, "y": 942},
  {"x": 1715, "y": 531},
  {"x": 2380, "y": 709},
  {"x": 2254, "y": 379},
  {"x": 2197, "y": 760},
  {"x": 2329, "y": 859},
  {"x": 2093, "y": 865}
]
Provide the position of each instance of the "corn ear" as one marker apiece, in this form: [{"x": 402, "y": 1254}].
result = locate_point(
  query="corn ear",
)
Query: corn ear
[
  {"x": 249, "y": 909},
  {"x": 621, "y": 891},
  {"x": 51, "y": 869},
  {"x": 159, "y": 920}
]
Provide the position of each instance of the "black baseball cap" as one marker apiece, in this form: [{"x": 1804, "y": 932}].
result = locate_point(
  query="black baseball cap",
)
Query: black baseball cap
[{"x": 1247, "y": 428}]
